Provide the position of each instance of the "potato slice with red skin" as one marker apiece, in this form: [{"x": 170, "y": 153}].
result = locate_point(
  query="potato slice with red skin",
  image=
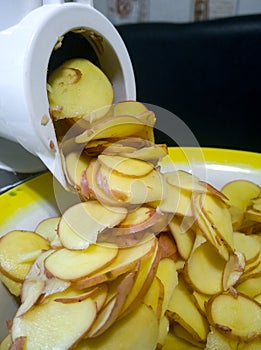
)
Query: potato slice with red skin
[
  {"x": 129, "y": 190},
  {"x": 241, "y": 321}
]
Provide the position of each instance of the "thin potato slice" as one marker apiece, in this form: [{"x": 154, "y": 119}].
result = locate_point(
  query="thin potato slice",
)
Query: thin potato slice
[
  {"x": 14, "y": 246},
  {"x": 54, "y": 325},
  {"x": 154, "y": 297},
  {"x": 182, "y": 309},
  {"x": 183, "y": 238},
  {"x": 174, "y": 342},
  {"x": 72, "y": 265},
  {"x": 241, "y": 192},
  {"x": 73, "y": 89},
  {"x": 233, "y": 270},
  {"x": 250, "y": 286},
  {"x": 241, "y": 321},
  {"x": 167, "y": 274},
  {"x": 247, "y": 245},
  {"x": 127, "y": 333},
  {"x": 126, "y": 260},
  {"x": 75, "y": 164},
  {"x": 204, "y": 269},
  {"x": 81, "y": 223},
  {"x": 47, "y": 228},
  {"x": 132, "y": 190},
  {"x": 218, "y": 214},
  {"x": 207, "y": 228},
  {"x": 126, "y": 166},
  {"x": 218, "y": 341}
]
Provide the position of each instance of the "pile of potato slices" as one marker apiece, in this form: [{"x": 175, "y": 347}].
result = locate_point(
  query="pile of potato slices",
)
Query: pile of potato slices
[{"x": 145, "y": 260}]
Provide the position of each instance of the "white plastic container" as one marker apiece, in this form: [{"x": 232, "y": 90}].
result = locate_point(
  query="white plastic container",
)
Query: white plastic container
[{"x": 26, "y": 47}]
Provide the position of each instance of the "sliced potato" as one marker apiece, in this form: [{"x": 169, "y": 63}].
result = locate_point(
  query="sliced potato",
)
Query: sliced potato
[
  {"x": 241, "y": 321},
  {"x": 14, "y": 246},
  {"x": 73, "y": 89},
  {"x": 126, "y": 260},
  {"x": 247, "y": 245},
  {"x": 204, "y": 269},
  {"x": 127, "y": 333},
  {"x": 75, "y": 164},
  {"x": 81, "y": 223},
  {"x": 72, "y": 265},
  {"x": 126, "y": 166},
  {"x": 241, "y": 192},
  {"x": 47, "y": 228},
  {"x": 52, "y": 321},
  {"x": 182, "y": 310},
  {"x": 183, "y": 238},
  {"x": 155, "y": 296}
]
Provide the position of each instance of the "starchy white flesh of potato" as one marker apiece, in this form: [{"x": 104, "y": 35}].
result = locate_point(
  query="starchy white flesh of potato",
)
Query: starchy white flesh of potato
[
  {"x": 73, "y": 89},
  {"x": 138, "y": 330},
  {"x": 218, "y": 214},
  {"x": 55, "y": 325},
  {"x": 250, "y": 286},
  {"x": 15, "y": 248},
  {"x": 206, "y": 227}
]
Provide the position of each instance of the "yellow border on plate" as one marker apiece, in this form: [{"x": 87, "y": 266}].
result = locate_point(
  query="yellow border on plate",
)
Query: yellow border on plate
[
  {"x": 41, "y": 187},
  {"x": 25, "y": 194}
]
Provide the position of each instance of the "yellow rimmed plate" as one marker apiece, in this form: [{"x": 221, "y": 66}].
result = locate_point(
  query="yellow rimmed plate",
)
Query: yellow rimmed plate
[{"x": 24, "y": 206}]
